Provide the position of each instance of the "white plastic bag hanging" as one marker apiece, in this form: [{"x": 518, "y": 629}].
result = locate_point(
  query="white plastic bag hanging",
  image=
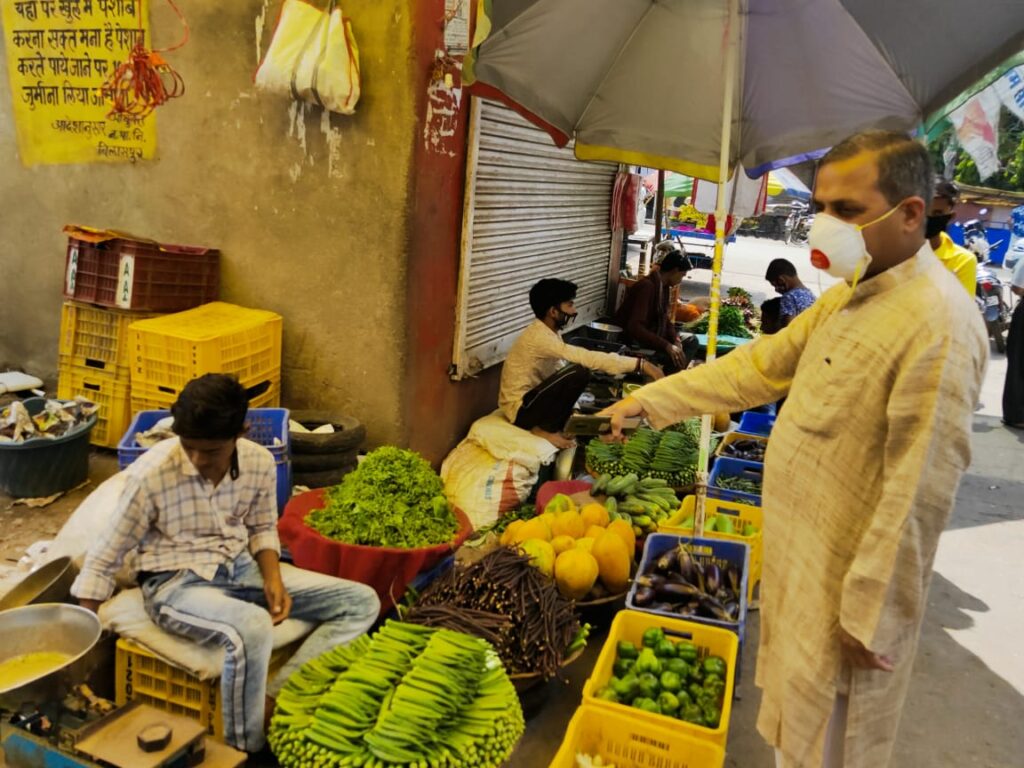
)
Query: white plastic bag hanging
[{"x": 313, "y": 57}]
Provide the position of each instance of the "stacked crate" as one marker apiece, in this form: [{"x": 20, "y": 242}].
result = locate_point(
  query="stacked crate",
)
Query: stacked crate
[
  {"x": 169, "y": 351},
  {"x": 111, "y": 281}
]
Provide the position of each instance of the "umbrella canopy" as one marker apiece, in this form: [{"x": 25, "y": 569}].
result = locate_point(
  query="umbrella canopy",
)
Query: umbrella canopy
[{"x": 641, "y": 81}]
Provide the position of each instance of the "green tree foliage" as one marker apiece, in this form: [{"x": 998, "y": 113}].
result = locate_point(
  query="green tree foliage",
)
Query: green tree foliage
[{"x": 1011, "y": 156}]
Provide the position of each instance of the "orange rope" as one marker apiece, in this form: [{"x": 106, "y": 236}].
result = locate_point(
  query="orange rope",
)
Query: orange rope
[{"x": 146, "y": 81}]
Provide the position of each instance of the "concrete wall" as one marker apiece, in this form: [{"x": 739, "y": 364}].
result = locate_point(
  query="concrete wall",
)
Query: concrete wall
[
  {"x": 439, "y": 411},
  {"x": 311, "y": 214}
]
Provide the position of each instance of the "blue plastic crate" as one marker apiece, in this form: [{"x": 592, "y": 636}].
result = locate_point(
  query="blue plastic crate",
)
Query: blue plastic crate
[
  {"x": 705, "y": 551},
  {"x": 754, "y": 423},
  {"x": 265, "y": 425},
  {"x": 727, "y": 467}
]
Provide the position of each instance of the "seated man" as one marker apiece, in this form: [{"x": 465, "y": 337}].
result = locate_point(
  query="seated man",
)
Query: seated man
[
  {"x": 796, "y": 297},
  {"x": 771, "y": 316},
  {"x": 201, "y": 511},
  {"x": 538, "y": 390},
  {"x": 957, "y": 259},
  {"x": 644, "y": 314}
]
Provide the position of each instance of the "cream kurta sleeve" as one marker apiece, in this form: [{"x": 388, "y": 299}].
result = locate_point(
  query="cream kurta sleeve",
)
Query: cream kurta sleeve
[
  {"x": 927, "y": 448},
  {"x": 751, "y": 375}
]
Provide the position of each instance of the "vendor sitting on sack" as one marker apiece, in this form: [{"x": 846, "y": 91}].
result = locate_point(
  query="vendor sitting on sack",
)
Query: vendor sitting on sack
[
  {"x": 201, "y": 511},
  {"x": 538, "y": 387},
  {"x": 644, "y": 314}
]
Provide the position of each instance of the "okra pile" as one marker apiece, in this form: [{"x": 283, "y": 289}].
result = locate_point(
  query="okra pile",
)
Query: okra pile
[{"x": 408, "y": 696}]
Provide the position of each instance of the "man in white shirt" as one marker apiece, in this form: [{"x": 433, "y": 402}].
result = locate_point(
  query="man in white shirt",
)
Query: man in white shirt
[
  {"x": 543, "y": 376},
  {"x": 201, "y": 511}
]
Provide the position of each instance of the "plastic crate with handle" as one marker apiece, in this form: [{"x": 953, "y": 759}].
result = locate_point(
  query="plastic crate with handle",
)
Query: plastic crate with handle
[
  {"x": 266, "y": 393},
  {"x": 97, "y": 338},
  {"x": 741, "y": 515},
  {"x": 756, "y": 423},
  {"x": 143, "y": 676},
  {"x": 168, "y": 352},
  {"x": 116, "y": 270},
  {"x": 748, "y": 470},
  {"x": 112, "y": 393},
  {"x": 627, "y": 742},
  {"x": 731, "y": 438},
  {"x": 267, "y": 426},
  {"x": 710, "y": 641}
]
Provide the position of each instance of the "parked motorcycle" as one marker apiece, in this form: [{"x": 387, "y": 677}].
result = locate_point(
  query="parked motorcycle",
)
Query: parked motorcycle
[
  {"x": 976, "y": 240},
  {"x": 990, "y": 295},
  {"x": 799, "y": 227}
]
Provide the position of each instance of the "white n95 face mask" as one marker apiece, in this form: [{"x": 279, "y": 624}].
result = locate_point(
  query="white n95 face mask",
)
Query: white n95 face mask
[{"x": 838, "y": 247}]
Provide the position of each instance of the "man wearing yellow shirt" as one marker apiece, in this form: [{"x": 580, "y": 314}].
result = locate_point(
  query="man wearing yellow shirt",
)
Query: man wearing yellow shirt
[{"x": 957, "y": 259}]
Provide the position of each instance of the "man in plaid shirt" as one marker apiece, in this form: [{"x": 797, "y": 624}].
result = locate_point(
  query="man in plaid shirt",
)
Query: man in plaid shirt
[{"x": 201, "y": 511}]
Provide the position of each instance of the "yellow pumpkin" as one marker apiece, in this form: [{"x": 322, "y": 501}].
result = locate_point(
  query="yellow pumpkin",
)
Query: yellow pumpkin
[
  {"x": 510, "y": 531},
  {"x": 594, "y": 514},
  {"x": 568, "y": 524},
  {"x": 562, "y": 543},
  {"x": 532, "y": 529},
  {"x": 594, "y": 532},
  {"x": 575, "y": 573},
  {"x": 587, "y": 545},
  {"x": 624, "y": 531},
  {"x": 613, "y": 562},
  {"x": 542, "y": 555}
]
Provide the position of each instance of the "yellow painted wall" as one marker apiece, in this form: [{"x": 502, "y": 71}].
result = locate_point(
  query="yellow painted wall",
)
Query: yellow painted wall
[{"x": 311, "y": 217}]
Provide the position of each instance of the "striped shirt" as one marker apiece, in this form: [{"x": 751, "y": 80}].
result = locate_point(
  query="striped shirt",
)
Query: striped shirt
[{"x": 176, "y": 519}]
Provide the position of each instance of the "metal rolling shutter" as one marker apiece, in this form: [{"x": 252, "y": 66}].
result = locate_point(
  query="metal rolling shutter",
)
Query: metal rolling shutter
[{"x": 532, "y": 210}]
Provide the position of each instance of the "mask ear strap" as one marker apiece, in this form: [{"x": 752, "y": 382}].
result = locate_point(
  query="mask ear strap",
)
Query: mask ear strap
[{"x": 881, "y": 218}]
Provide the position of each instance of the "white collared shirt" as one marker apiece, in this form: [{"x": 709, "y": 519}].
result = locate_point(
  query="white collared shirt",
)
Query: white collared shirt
[{"x": 176, "y": 519}]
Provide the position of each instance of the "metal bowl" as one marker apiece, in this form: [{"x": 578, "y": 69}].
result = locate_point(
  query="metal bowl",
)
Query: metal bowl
[
  {"x": 50, "y": 583},
  {"x": 48, "y": 627},
  {"x": 604, "y": 331}
]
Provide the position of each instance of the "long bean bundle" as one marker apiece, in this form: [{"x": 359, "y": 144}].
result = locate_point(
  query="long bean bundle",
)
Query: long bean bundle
[{"x": 509, "y": 603}]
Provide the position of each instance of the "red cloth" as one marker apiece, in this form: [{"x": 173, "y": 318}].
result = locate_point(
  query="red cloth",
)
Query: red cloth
[{"x": 625, "y": 199}]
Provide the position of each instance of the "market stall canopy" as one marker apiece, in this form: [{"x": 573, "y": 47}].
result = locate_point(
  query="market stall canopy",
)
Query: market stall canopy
[
  {"x": 780, "y": 182},
  {"x": 644, "y": 80}
]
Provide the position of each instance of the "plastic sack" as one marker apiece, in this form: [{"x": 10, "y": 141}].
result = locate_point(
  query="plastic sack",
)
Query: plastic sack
[
  {"x": 313, "y": 57},
  {"x": 494, "y": 469}
]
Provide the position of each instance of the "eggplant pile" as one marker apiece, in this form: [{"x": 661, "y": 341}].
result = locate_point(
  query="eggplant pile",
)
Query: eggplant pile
[
  {"x": 678, "y": 583},
  {"x": 748, "y": 450}
]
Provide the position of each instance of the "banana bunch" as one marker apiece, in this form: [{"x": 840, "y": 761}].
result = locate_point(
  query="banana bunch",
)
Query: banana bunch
[
  {"x": 411, "y": 696},
  {"x": 644, "y": 503}
]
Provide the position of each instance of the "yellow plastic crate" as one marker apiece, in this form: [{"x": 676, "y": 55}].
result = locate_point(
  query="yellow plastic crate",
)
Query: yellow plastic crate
[
  {"x": 146, "y": 397},
  {"x": 626, "y": 742},
  {"x": 742, "y": 514},
  {"x": 144, "y": 676},
  {"x": 110, "y": 391},
  {"x": 97, "y": 338},
  {"x": 710, "y": 641},
  {"x": 171, "y": 350}
]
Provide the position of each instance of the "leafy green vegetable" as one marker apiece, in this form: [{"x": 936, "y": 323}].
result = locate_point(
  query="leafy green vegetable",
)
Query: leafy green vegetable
[
  {"x": 394, "y": 499},
  {"x": 730, "y": 323}
]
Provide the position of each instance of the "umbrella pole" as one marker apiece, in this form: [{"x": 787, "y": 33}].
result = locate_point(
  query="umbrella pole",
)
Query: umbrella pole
[
  {"x": 659, "y": 214},
  {"x": 731, "y": 65}
]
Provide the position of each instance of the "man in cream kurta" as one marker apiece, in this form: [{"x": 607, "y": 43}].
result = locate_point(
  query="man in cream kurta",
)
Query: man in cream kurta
[{"x": 861, "y": 470}]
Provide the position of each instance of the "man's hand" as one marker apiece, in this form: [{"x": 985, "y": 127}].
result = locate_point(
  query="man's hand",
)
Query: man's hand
[
  {"x": 675, "y": 354},
  {"x": 279, "y": 602},
  {"x": 92, "y": 605},
  {"x": 624, "y": 409},
  {"x": 651, "y": 371},
  {"x": 859, "y": 657}
]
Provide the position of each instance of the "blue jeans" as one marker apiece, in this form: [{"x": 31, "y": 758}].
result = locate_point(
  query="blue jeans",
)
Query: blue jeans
[{"x": 231, "y": 611}]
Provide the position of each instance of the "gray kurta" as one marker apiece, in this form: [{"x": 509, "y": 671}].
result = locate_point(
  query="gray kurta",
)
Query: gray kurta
[{"x": 860, "y": 478}]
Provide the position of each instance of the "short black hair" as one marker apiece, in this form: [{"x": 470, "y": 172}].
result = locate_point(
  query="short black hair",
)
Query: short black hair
[
  {"x": 904, "y": 165},
  {"x": 675, "y": 259},
  {"x": 550, "y": 292},
  {"x": 779, "y": 268},
  {"x": 212, "y": 407},
  {"x": 771, "y": 315},
  {"x": 947, "y": 189}
]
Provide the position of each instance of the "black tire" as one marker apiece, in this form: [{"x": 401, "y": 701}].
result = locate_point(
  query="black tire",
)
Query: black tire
[
  {"x": 348, "y": 436},
  {"x": 321, "y": 479},
  {"x": 322, "y": 462}
]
